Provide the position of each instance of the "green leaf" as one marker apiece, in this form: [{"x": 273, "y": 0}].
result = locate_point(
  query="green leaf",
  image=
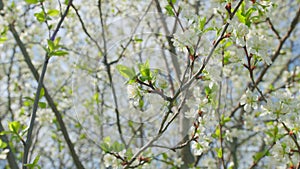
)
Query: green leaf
[
  {"x": 106, "y": 139},
  {"x": 3, "y": 39},
  {"x": 5, "y": 132},
  {"x": 172, "y": 1},
  {"x": 82, "y": 136},
  {"x": 126, "y": 72},
  {"x": 169, "y": 10},
  {"x": 218, "y": 132},
  {"x": 130, "y": 123},
  {"x": 219, "y": 152},
  {"x": 145, "y": 71},
  {"x": 66, "y": 2},
  {"x": 31, "y": 1},
  {"x": 59, "y": 53},
  {"x": 51, "y": 45},
  {"x": 227, "y": 57},
  {"x": 105, "y": 147},
  {"x": 141, "y": 103},
  {"x": 129, "y": 153},
  {"x": 36, "y": 160},
  {"x": 53, "y": 12},
  {"x": 202, "y": 23},
  {"x": 138, "y": 40},
  {"x": 42, "y": 92},
  {"x": 207, "y": 90},
  {"x": 40, "y": 17},
  {"x": 117, "y": 147},
  {"x": 96, "y": 97},
  {"x": 2, "y": 144},
  {"x": 34, "y": 164},
  {"x": 31, "y": 166},
  {"x": 56, "y": 41},
  {"x": 224, "y": 119},
  {"x": 165, "y": 156},
  {"x": 14, "y": 126},
  {"x": 42, "y": 105},
  {"x": 240, "y": 16},
  {"x": 258, "y": 156},
  {"x": 28, "y": 103}
]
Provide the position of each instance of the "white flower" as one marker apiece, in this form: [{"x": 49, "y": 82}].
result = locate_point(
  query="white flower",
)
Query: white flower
[
  {"x": 214, "y": 72},
  {"x": 231, "y": 164},
  {"x": 178, "y": 162},
  {"x": 110, "y": 160},
  {"x": 209, "y": 163},
  {"x": 132, "y": 91},
  {"x": 186, "y": 38},
  {"x": 3, "y": 154},
  {"x": 191, "y": 114},
  {"x": 259, "y": 46},
  {"x": 197, "y": 150},
  {"x": 249, "y": 100},
  {"x": 200, "y": 147},
  {"x": 240, "y": 32}
]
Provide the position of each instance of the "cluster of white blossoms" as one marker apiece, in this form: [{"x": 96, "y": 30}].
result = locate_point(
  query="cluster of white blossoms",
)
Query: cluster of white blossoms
[
  {"x": 249, "y": 100},
  {"x": 133, "y": 95},
  {"x": 258, "y": 45},
  {"x": 214, "y": 71},
  {"x": 283, "y": 106},
  {"x": 202, "y": 145},
  {"x": 183, "y": 39},
  {"x": 240, "y": 32}
]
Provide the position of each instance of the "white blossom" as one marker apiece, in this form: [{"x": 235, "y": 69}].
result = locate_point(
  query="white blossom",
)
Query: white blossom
[
  {"x": 249, "y": 100},
  {"x": 259, "y": 46},
  {"x": 132, "y": 91},
  {"x": 240, "y": 32},
  {"x": 178, "y": 162},
  {"x": 110, "y": 160}
]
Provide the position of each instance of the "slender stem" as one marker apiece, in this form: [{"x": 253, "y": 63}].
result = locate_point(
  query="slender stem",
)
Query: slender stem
[
  {"x": 40, "y": 86},
  {"x": 108, "y": 70},
  {"x": 33, "y": 115}
]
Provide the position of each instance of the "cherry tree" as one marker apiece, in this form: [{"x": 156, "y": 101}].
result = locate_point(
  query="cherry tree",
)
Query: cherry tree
[{"x": 150, "y": 84}]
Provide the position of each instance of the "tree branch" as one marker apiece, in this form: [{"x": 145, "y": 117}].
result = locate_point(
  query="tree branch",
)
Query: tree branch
[
  {"x": 280, "y": 45},
  {"x": 48, "y": 97}
]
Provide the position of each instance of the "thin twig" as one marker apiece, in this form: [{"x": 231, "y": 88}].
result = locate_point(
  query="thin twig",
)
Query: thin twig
[
  {"x": 280, "y": 45},
  {"x": 37, "y": 95}
]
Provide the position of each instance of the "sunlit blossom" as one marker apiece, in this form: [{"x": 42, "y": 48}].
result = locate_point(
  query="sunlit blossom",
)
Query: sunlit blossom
[{"x": 249, "y": 100}]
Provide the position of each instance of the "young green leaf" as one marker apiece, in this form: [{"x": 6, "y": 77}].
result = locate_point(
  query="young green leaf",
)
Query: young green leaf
[
  {"x": 59, "y": 53},
  {"x": 129, "y": 153},
  {"x": 117, "y": 147},
  {"x": 51, "y": 45},
  {"x": 169, "y": 10},
  {"x": 202, "y": 23},
  {"x": 31, "y": 1},
  {"x": 126, "y": 72},
  {"x": 14, "y": 126},
  {"x": 40, "y": 16},
  {"x": 105, "y": 147},
  {"x": 219, "y": 152},
  {"x": 42, "y": 93},
  {"x": 56, "y": 41},
  {"x": 42, "y": 105},
  {"x": 2, "y": 144},
  {"x": 53, "y": 12}
]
